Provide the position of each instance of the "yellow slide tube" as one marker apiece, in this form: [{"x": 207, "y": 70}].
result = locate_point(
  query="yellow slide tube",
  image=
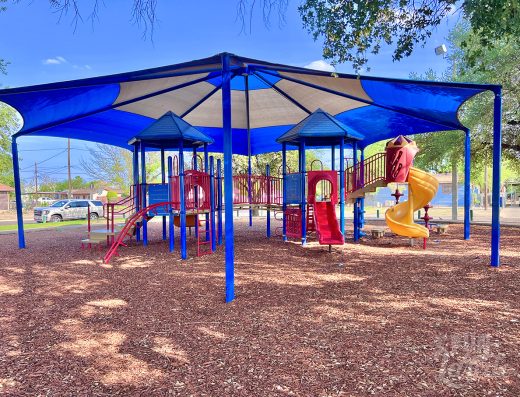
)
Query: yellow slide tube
[{"x": 422, "y": 188}]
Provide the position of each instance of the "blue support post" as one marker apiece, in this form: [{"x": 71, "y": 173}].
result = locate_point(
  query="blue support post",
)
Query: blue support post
[
  {"x": 212, "y": 204},
  {"x": 137, "y": 189},
  {"x": 342, "y": 185},
  {"x": 467, "y": 185},
  {"x": 171, "y": 233},
  {"x": 355, "y": 183},
  {"x": 18, "y": 195},
  {"x": 206, "y": 165},
  {"x": 163, "y": 180},
  {"x": 497, "y": 162},
  {"x": 268, "y": 212},
  {"x": 284, "y": 189},
  {"x": 143, "y": 193},
  {"x": 303, "y": 196},
  {"x": 219, "y": 202},
  {"x": 333, "y": 157},
  {"x": 184, "y": 250},
  {"x": 228, "y": 177}
]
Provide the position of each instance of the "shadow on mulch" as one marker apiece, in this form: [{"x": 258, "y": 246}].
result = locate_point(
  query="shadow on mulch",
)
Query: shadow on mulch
[{"x": 378, "y": 317}]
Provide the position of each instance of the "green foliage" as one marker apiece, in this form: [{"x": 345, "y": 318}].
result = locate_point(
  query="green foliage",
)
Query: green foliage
[
  {"x": 9, "y": 124},
  {"x": 76, "y": 183},
  {"x": 111, "y": 196},
  {"x": 274, "y": 160},
  {"x": 350, "y": 30}
]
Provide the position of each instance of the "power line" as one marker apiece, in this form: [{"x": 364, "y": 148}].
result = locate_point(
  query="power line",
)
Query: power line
[{"x": 47, "y": 159}]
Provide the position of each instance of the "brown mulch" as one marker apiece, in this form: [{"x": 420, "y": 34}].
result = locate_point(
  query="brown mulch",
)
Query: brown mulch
[{"x": 376, "y": 318}]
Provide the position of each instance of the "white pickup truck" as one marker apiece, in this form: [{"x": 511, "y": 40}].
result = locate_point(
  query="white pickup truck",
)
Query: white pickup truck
[{"x": 69, "y": 209}]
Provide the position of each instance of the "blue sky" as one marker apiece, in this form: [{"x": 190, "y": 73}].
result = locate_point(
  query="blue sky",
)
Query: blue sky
[{"x": 43, "y": 48}]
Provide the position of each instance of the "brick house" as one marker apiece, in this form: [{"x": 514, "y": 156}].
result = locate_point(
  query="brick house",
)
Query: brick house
[{"x": 4, "y": 197}]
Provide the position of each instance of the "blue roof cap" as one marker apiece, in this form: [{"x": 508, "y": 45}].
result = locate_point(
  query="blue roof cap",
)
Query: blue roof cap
[
  {"x": 319, "y": 129},
  {"x": 168, "y": 131}
]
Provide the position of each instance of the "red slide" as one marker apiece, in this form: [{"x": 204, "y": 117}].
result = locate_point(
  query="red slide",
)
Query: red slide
[{"x": 327, "y": 226}]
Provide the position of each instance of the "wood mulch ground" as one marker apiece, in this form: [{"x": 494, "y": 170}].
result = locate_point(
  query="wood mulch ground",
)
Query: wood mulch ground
[{"x": 377, "y": 318}]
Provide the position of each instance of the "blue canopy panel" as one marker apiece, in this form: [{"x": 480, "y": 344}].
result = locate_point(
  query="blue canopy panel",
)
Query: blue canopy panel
[
  {"x": 113, "y": 109},
  {"x": 438, "y": 103},
  {"x": 381, "y": 124}
]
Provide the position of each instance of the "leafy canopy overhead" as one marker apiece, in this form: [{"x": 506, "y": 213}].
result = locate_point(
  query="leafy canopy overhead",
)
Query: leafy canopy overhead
[{"x": 352, "y": 29}]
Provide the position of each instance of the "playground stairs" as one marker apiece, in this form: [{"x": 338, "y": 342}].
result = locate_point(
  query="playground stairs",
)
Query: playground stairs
[{"x": 368, "y": 188}]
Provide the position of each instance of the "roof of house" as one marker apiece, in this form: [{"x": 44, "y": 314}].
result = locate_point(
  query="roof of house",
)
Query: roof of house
[{"x": 6, "y": 188}]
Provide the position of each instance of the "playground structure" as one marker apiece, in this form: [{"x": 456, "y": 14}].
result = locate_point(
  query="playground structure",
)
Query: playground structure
[{"x": 243, "y": 104}]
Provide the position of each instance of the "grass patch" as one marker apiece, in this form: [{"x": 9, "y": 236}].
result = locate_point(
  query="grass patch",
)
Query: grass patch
[{"x": 27, "y": 226}]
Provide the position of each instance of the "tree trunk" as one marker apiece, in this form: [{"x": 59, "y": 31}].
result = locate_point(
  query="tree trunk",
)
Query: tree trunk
[{"x": 454, "y": 191}]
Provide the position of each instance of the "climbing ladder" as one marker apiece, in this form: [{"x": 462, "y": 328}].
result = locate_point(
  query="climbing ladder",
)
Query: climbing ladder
[{"x": 311, "y": 221}]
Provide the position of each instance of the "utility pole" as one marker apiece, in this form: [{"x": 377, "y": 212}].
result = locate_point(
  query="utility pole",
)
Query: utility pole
[
  {"x": 68, "y": 168},
  {"x": 35, "y": 177}
]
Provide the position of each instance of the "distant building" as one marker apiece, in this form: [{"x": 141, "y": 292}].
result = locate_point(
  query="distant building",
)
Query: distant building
[{"x": 4, "y": 197}]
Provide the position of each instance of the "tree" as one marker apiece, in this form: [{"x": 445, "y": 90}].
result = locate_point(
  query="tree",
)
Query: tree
[
  {"x": 351, "y": 29},
  {"x": 9, "y": 124},
  {"x": 113, "y": 165}
]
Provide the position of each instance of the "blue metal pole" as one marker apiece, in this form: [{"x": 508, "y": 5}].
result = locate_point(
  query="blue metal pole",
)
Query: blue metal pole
[
  {"x": 143, "y": 192},
  {"x": 163, "y": 180},
  {"x": 206, "y": 165},
  {"x": 219, "y": 201},
  {"x": 18, "y": 195},
  {"x": 137, "y": 190},
  {"x": 304, "y": 198},
  {"x": 355, "y": 183},
  {"x": 467, "y": 185},
  {"x": 284, "y": 187},
  {"x": 497, "y": 162},
  {"x": 268, "y": 214},
  {"x": 184, "y": 250},
  {"x": 333, "y": 157},
  {"x": 212, "y": 204},
  {"x": 171, "y": 233},
  {"x": 342, "y": 185},
  {"x": 228, "y": 177}
]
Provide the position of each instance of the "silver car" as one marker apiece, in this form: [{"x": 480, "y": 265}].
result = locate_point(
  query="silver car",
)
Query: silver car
[{"x": 69, "y": 209}]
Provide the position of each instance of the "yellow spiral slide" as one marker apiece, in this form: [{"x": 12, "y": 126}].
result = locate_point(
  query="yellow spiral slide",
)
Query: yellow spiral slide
[{"x": 422, "y": 187}]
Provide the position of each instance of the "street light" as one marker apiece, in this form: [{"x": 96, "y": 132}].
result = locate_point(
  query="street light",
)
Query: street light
[{"x": 441, "y": 50}]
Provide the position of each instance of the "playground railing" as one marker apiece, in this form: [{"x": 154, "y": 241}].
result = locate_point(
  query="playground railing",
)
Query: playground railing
[
  {"x": 264, "y": 189},
  {"x": 366, "y": 172},
  {"x": 196, "y": 190}
]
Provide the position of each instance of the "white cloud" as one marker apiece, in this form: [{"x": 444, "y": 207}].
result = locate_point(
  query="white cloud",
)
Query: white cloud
[
  {"x": 54, "y": 61},
  {"x": 320, "y": 65}
]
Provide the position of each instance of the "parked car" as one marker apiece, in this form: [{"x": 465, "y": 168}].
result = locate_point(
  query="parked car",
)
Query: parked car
[
  {"x": 45, "y": 200},
  {"x": 68, "y": 210}
]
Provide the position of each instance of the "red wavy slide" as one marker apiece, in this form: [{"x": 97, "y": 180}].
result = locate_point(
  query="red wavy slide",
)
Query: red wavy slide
[{"x": 327, "y": 225}]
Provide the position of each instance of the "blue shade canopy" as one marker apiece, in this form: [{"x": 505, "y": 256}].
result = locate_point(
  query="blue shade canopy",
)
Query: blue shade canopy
[
  {"x": 168, "y": 131},
  {"x": 113, "y": 109},
  {"x": 319, "y": 129}
]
